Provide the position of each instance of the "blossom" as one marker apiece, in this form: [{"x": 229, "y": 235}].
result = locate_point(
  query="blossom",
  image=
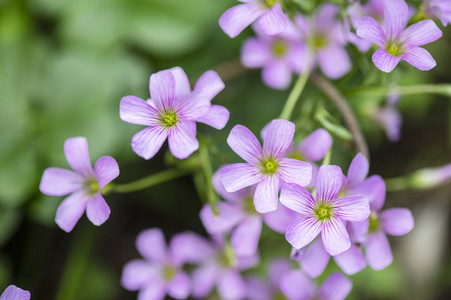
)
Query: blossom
[
  {"x": 296, "y": 286},
  {"x": 12, "y": 292},
  {"x": 431, "y": 177},
  {"x": 324, "y": 213},
  {"x": 325, "y": 34},
  {"x": 397, "y": 43},
  {"x": 279, "y": 55},
  {"x": 271, "y": 18},
  {"x": 84, "y": 185},
  {"x": 265, "y": 166},
  {"x": 173, "y": 111},
  {"x": 390, "y": 118},
  {"x": 438, "y": 9},
  {"x": 160, "y": 272}
]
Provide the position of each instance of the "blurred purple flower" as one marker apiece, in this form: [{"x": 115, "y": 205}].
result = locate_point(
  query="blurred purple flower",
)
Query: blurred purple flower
[
  {"x": 326, "y": 36},
  {"x": 84, "y": 185},
  {"x": 431, "y": 177},
  {"x": 325, "y": 214},
  {"x": 438, "y": 9},
  {"x": 173, "y": 112},
  {"x": 296, "y": 286},
  {"x": 12, "y": 292},
  {"x": 279, "y": 56},
  {"x": 265, "y": 166},
  {"x": 271, "y": 18},
  {"x": 390, "y": 118},
  {"x": 160, "y": 272},
  {"x": 397, "y": 43}
]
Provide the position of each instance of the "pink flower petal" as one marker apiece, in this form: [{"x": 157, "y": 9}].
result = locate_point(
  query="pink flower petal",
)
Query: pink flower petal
[
  {"x": 369, "y": 29},
  {"x": 278, "y": 137},
  {"x": 301, "y": 232},
  {"x": 245, "y": 144},
  {"x": 162, "y": 89},
  {"x": 203, "y": 279},
  {"x": 351, "y": 261},
  {"x": 71, "y": 210},
  {"x": 373, "y": 188},
  {"x": 280, "y": 219},
  {"x": 258, "y": 289},
  {"x": 397, "y": 221},
  {"x": 297, "y": 198},
  {"x": 378, "y": 251},
  {"x": 334, "y": 61},
  {"x": 314, "y": 259},
  {"x": 421, "y": 33},
  {"x": 235, "y": 197},
  {"x": 77, "y": 155},
  {"x": 352, "y": 208},
  {"x": 358, "y": 169},
  {"x": 336, "y": 287},
  {"x": 147, "y": 142},
  {"x": 266, "y": 194},
  {"x": 229, "y": 216},
  {"x": 231, "y": 285},
  {"x": 182, "y": 139},
  {"x": 385, "y": 61},
  {"x": 255, "y": 53},
  {"x": 209, "y": 84},
  {"x": 217, "y": 117},
  {"x": 235, "y": 19},
  {"x": 188, "y": 247},
  {"x": 137, "y": 273},
  {"x": 155, "y": 290},
  {"x": 295, "y": 171},
  {"x": 97, "y": 210},
  {"x": 396, "y": 13},
  {"x": 151, "y": 244},
  {"x": 278, "y": 267},
  {"x": 245, "y": 237},
  {"x": 60, "y": 182},
  {"x": 277, "y": 74},
  {"x": 273, "y": 21},
  {"x": 137, "y": 111},
  {"x": 316, "y": 145},
  {"x": 296, "y": 285},
  {"x": 182, "y": 86},
  {"x": 192, "y": 106},
  {"x": 237, "y": 176},
  {"x": 106, "y": 169},
  {"x": 180, "y": 286},
  {"x": 328, "y": 183},
  {"x": 12, "y": 292},
  {"x": 335, "y": 237},
  {"x": 419, "y": 58}
]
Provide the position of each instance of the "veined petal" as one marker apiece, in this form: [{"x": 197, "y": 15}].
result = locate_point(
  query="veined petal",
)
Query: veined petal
[
  {"x": 106, "y": 169},
  {"x": 421, "y": 33},
  {"x": 295, "y": 285},
  {"x": 151, "y": 244},
  {"x": 255, "y": 53},
  {"x": 276, "y": 74},
  {"x": 352, "y": 208},
  {"x": 397, "y": 221},
  {"x": 136, "y": 274},
  {"x": 301, "y": 232},
  {"x": 59, "y": 182},
  {"x": 396, "y": 14},
  {"x": 77, "y": 155},
  {"x": 369, "y": 29},
  {"x": 334, "y": 61},
  {"x": 203, "y": 279},
  {"x": 12, "y": 292},
  {"x": 231, "y": 285},
  {"x": 245, "y": 237},
  {"x": 335, "y": 237},
  {"x": 97, "y": 210},
  {"x": 378, "y": 251},
  {"x": 237, "y": 176},
  {"x": 235, "y": 19},
  {"x": 180, "y": 286},
  {"x": 278, "y": 137},
  {"x": 314, "y": 259},
  {"x": 229, "y": 216},
  {"x": 266, "y": 194},
  {"x": 235, "y": 197},
  {"x": 192, "y": 106},
  {"x": 137, "y": 111},
  {"x": 328, "y": 184},
  {"x": 316, "y": 145},
  {"x": 209, "y": 84},
  {"x": 351, "y": 261},
  {"x": 419, "y": 58},
  {"x": 358, "y": 169},
  {"x": 297, "y": 198},
  {"x": 273, "y": 21},
  {"x": 385, "y": 61},
  {"x": 336, "y": 287},
  {"x": 71, "y": 210},
  {"x": 162, "y": 89},
  {"x": 182, "y": 87},
  {"x": 182, "y": 139},
  {"x": 245, "y": 144},
  {"x": 147, "y": 142},
  {"x": 217, "y": 117},
  {"x": 295, "y": 171},
  {"x": 373, "y": 188}
]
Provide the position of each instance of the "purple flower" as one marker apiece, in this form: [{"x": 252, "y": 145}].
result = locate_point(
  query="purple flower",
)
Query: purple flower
[
  {"x": 279, "y": 56},
  {"x": 390, "y": 118},
  {"x": 237, "y": 213},
  {"x": 397, "y": 43},
  {"x": 325, "y": 34},
  {"x": 296, "y": 286},
  {"x": 173, "y": 112},
  {"x": 271, "y": 18},
  {"x": 160, "y": 272},
  {"x": 265, "y": 166},
  {"x": 84, "y": 185},
  {"x": 324, "y": 214},
  {"x": 431, "y": 177},
  {"x": 12, "y": 292},
  {"x": 438, "y": 9}
]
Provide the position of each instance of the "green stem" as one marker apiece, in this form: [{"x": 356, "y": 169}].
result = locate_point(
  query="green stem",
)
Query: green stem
[
  {"x": 327, "y": 157},
  {"x": 208, "y": 174},
  {"x": 295, "y": 94},
  {"x": 440, "y": 89},
  {"x": 149, "y": 181},
  {"x": 397, "y": 184}
]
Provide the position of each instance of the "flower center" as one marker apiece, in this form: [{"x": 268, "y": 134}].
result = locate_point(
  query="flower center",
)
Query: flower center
[
  {"x": 249, "y": 207},
  {"x": 269, "y": 166},
  {"x": 269, "y": 3},
  {"x": 92, "y": 186},
  {"x": 280, "y": 296},
  {"x": 227, "y": 257},
  {"x": 374, "y": 222},
  {"x": 323, "y": 212},
  {"x": 393, "y": 50},
  {"x": 320, "y": 41},
  {"x": 279, "y": 49},
  {"x": 169, "y": 273},
  {"x": 169, "y": 118}
]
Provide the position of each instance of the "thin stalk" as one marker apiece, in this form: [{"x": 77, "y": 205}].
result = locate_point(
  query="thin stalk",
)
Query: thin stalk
[
  {"x": 208, "y": 174},
  {"x": 327, "y": 157},
  {"x": 295, "y": 94}
]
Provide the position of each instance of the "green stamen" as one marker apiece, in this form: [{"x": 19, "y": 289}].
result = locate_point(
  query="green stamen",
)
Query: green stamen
[
  {"x": 394, "y": 50},
  {"x": 92, "y": 185},
  {"x": 168, "y": 273},
  {"x": 169, "y": 119},
  {"x": 324, "y": 212},
  {"x": 269, "y": 166},
  {"x": 374, "y": 222},
  {"x": 279, "y": 49},
  {"x": 227, "y": 258},
  {"x": 320, "y": 41},
  {"x": 269, "y": 3}
]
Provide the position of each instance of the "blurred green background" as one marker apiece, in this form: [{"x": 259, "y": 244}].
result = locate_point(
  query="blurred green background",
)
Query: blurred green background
[{"x": 65, "y": 65}]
